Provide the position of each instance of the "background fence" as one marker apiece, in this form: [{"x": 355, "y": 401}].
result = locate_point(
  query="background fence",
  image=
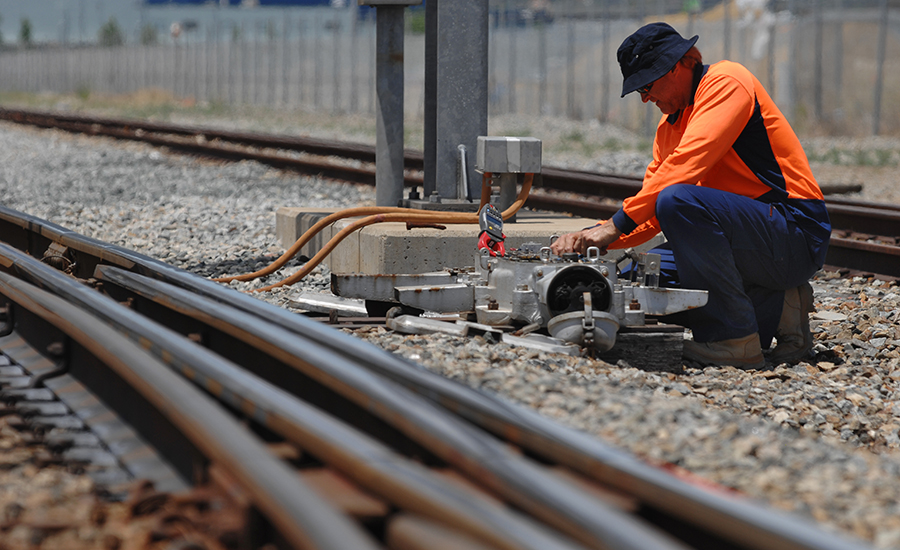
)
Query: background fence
[{"x": 830, "y": 64}]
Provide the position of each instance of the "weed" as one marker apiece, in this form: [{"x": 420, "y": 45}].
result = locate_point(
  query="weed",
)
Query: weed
[
  {"x": 612, "y": 144},
  {"x": 83, "y": 92}
]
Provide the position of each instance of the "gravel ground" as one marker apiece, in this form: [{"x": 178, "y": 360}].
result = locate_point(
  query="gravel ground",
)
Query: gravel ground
[{"x": 819, "y": 438}]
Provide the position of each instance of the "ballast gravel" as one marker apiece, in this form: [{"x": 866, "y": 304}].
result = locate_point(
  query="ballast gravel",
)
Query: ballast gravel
[{"x": 820, "y": 438}]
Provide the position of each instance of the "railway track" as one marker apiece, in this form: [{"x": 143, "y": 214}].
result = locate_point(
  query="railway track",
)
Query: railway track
[
  {"x": 332, "y": 442},
  {"x": 863, "y": 243}
]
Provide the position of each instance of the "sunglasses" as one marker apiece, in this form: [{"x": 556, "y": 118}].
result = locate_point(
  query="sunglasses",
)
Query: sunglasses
[{"x": 645, "y": 89}]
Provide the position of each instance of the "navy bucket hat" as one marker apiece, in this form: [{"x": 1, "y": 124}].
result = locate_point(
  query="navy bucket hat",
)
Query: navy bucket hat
[{"x": 650, "y": 53}]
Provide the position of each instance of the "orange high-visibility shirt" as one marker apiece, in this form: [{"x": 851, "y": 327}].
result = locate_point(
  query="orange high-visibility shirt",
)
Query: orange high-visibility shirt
[{"x": 733, "y": 138}]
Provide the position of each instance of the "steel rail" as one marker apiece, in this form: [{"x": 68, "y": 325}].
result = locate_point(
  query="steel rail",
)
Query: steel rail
[
  {"x": 484, "y": 460},
  {"x": 490, "y": 463},
  {"x": 295, "y": 510},
  {"x": 735, "y": 520},
  {"x": 369, "y": 463},
  {"x": 864, "y": 256},
  {"x": 732, "y": 519},
  {"x": 375, "y": 466},
  {"x": 321, "y": 147},
  {"x": 845, "y": 214},
  {"x": 860, "y": 256},
  {"x": 613, "y": 186}
]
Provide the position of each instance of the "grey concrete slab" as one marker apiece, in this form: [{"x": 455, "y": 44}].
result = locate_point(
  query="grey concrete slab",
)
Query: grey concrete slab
[{"x": 392, "y": 248}]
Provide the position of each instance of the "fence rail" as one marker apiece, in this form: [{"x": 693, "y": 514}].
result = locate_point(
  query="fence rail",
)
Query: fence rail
[{"x": 831, "y": 65}]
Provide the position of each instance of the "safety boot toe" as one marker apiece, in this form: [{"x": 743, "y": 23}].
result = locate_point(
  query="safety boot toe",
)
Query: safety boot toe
[
  {"x": 742, "y": 353},
  {"x": 793, "y": 335}
]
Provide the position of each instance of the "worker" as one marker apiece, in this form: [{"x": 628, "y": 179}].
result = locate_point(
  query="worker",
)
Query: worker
[{"x": 732, "y": 191}]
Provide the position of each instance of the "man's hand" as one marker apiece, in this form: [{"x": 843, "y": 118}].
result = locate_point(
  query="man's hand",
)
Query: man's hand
[{"x": 600, "y": 236}]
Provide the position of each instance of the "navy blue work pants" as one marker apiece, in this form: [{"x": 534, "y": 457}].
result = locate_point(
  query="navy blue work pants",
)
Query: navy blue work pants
[{"x": 746, "y": 253}]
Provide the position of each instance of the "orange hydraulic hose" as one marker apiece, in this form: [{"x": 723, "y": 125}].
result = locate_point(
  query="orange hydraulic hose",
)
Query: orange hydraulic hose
[
  {"x": 330, "y": 219},
  {"x": 417, "y": 216},
  {"x": 485, "y": 190}
]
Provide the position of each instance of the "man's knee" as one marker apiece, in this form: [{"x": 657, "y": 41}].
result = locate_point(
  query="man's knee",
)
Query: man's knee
[{"x": 671, "y": 202}]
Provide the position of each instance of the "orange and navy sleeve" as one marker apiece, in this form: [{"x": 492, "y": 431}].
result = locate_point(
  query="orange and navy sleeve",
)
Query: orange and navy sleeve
[{"x": 723, "y": 104}]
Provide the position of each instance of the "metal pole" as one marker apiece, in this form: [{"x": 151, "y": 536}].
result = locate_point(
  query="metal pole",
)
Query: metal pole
[
  {"x": 792, "y": 61},
  {"x": 317, "y": 79},
  {"x": 570, "y": 64},
  {"x": 389, "y": 105},
  {"x": 513, "y": 50},
  {"x": 271, "y": 54},
  {"x": 285, "y": 65},
  {"x": 817, "y": 94},
  {"x": 879, "y": 78},
  {"x": 462, "y": 91},
  {"x": 607, "y": 55},
  {"x": 770, "y": 57},
  {"x": 336, "y": 62},
  {"x": 354, "y": 58},
  {"x": 726, "y": 31},
  {"x": 430, "y": 122},
  {"x": 838, "y": 57},
  {"x": 543, "y": 107}
]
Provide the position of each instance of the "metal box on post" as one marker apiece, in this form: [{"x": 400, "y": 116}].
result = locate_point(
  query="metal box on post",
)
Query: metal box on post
[{"x": 504, "y": 157}]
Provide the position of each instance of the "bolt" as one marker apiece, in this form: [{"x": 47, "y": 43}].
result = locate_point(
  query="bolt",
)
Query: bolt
[
  {"x": 493, "y": 305},
  {"x": 634, "y": 305}
]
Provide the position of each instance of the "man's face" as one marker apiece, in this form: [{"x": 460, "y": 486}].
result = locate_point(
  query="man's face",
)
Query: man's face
[{"x": 672, "y": 91}]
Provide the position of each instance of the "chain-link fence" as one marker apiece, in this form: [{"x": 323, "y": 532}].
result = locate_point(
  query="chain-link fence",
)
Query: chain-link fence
[{"x": 830, "y": 64}]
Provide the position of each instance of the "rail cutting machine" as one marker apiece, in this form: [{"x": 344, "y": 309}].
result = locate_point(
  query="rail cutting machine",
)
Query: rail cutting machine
[{"x": 579, "y": 300}]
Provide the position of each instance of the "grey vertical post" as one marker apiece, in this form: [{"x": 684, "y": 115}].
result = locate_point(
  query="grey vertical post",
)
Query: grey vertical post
[
  {"x": 604, "y": 65},
  {"x": 285, "y": 66},
  {"x": 461, "y": 87},
  {"x": 389, "y": 105},
  {"x": 770, "y": 57},
  {"x": 792, "y": 61},
  {"x": 336, "y": 28},
  {"x": 271, "y": 31},
  {"x": 838, "y": 58},
  {"x": 570, "y": 64},
  {"x": 879, "y": 78},
  {"x": 817, "y": 93},
  {"x": 513, "y": 61},
  {"x": 317, "y": 71},
  {"x": 726, "y": 32},
  {"x": 388, "y": 99},
  {"x": 430, "y": 122},
  {"x": 302, "y": 63},
  {"x": 354, "y": 58},
  {"x": 543, "y": 105}
]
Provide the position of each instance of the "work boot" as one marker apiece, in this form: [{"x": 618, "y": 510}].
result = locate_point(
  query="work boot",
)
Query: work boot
[
  {"x": 793, "y": 335},
  {"x": 743, "y": 353}
]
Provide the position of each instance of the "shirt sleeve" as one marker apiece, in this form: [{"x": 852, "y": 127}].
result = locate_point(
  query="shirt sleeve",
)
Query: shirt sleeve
[{"x": 723, "y": 105}]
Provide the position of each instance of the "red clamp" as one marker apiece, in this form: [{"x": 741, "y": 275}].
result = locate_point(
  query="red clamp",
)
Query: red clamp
[{"x": 495, "y": 247}]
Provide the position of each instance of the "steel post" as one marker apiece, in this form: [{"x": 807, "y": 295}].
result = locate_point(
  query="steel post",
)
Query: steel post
[
  {"x": 460, "y": 88},
  {"x": 389, "y": 105}
]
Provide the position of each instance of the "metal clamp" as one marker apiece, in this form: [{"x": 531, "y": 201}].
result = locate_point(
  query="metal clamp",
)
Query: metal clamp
[
  {"x": 587, "y": 323},
  {"x": 484, "y": 260}
]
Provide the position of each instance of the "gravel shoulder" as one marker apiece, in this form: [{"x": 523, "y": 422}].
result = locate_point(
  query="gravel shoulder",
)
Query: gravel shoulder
[{"x": 819, "y": 439}]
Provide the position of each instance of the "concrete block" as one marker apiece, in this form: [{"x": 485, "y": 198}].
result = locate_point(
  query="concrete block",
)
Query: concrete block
[
  {"x": 392, "y": 248},
  {"x": 508, "y": 155}
]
